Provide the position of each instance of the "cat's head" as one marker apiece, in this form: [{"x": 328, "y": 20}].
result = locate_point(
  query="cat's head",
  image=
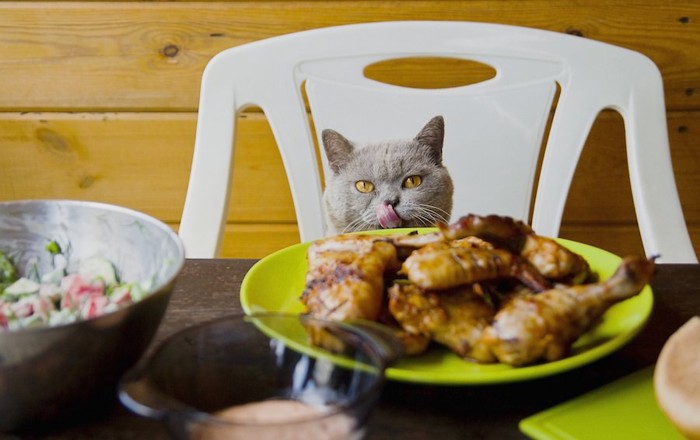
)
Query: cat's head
[{"x": 387, "y": 184}]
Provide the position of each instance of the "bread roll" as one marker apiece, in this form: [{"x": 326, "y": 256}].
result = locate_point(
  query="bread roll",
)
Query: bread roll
[{"x": 677, "y": 379}]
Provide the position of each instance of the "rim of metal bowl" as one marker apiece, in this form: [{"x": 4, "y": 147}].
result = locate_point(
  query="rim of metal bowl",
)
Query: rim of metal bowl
[{"x": 172, "y": 235}]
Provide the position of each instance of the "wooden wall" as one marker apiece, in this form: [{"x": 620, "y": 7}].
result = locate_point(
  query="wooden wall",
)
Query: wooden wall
[{"x": 98, "y": 101}]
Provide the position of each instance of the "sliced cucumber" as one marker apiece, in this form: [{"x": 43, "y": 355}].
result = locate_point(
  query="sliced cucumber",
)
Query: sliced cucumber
[
  {"x": 22, "y": 287},
  {"x": 98, "y": 268}
]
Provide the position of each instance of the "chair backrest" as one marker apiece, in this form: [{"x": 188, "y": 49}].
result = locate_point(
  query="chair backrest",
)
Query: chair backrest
[{"x": 494, "y": 129}]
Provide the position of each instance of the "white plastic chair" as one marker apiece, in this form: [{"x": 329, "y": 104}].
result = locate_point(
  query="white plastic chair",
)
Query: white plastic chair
[{"x": 494, "y": 129}]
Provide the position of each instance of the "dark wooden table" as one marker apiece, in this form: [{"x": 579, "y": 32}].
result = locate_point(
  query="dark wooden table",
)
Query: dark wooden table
[{"x": 207, "y": 289}]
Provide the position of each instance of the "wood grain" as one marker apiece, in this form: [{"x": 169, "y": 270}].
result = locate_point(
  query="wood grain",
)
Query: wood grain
[
  {"x": 142, "y": 160},
  {"x": 98, "y": 101},
  {"x": 150, "y": 55},
  {"x": 73, "y": 156}
]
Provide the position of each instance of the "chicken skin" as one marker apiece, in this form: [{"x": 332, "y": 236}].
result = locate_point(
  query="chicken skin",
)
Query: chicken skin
[
  {"x": 456, "y": 318},
  {"x": 437, "y": 267},
  {"x": 552, "y": 260},
  {"x": 544, "y": 325},
  {"x": 529, "y": 327},
  {"x": 345, "y": 279}
]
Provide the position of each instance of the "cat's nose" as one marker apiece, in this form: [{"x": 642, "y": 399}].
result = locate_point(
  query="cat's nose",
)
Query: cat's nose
[{"x": 393, "y": 202}]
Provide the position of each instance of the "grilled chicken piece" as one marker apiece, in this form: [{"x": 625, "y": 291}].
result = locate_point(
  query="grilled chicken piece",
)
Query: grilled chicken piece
[
  {"x": 345, "y": 279},
  {"x": 455, "y": 318},
  {"x": 503, "y": 231},
  {"x": 544, "y": 325},
  {"x": 556, "y": 262},
  {"x": 407, "y": 243},
  {"x": 551, "y": 259},
  {"x": 439, "y": 266},
  {"x": 413, "y": 343}
]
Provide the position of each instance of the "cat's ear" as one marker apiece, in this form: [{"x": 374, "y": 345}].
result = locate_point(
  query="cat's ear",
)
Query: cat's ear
[
  {"x": 338, "y": 149},
  {"x": 432, "y": 135}
]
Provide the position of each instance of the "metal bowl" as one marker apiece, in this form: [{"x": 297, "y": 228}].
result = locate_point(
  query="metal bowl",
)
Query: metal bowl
[{"x": 48, "y": 373}]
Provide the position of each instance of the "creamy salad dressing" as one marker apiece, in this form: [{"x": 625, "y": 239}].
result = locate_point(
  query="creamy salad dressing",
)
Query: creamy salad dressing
[{"x": 278, "y": 420}]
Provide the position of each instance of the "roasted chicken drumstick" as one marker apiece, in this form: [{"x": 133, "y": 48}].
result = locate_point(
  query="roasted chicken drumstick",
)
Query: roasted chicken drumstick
[
  {"x": 544, "y": 325},
  {"x": 529, "y": 327}
]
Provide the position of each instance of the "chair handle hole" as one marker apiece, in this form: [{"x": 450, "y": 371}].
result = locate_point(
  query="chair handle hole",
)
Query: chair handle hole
[{"x": 429, "y": 72}]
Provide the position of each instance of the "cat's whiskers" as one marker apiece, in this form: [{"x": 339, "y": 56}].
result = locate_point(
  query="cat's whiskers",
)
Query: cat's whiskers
[
  {"x": 361, "y": 223},
  {"x": 422, "y": 214},
  {"x": 429, "y": 215}
]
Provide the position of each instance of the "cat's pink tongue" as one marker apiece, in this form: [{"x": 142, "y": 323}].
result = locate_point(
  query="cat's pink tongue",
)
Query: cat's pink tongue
[{"x": 387, "y": 217}]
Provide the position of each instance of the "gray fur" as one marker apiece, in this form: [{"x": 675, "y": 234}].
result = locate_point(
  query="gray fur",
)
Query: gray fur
[{"x": 386, "y": 164}]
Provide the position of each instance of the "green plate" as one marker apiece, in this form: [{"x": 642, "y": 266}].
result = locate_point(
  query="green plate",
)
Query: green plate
[
  {"x": 624, "y": 409},
  {"x": 275, "y": 283}
]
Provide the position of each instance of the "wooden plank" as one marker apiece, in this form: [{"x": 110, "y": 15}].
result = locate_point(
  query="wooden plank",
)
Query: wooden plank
[
  {"x": 257, "y": 240},
  {"x": 137, "y": 160},
  {"x": 74, "y": 56},
  {"x": 123, "y": 157},
  {"x": 600, "y": 189},
  {"x": 115, "y": 158},
  {"x": 619, "y": 239}
]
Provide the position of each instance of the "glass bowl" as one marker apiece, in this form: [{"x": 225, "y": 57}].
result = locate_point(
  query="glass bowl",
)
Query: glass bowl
[{"x": 257, "y": 377}]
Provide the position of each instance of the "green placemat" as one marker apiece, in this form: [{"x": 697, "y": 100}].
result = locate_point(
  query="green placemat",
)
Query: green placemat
[{"x": 624, "y": 409}]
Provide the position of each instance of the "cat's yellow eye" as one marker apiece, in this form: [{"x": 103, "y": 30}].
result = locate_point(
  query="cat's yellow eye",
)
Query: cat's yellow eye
[
  {"x": 364, "y": 186},
  {"x": 412, "y": 181}
]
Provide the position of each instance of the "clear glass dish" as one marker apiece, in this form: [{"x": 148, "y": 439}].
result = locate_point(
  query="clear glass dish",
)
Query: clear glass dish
[{"x": 234, "y": 378}]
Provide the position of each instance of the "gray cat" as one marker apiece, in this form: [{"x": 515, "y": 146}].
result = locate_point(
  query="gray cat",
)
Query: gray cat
[{"x": 389, "y": 184}]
